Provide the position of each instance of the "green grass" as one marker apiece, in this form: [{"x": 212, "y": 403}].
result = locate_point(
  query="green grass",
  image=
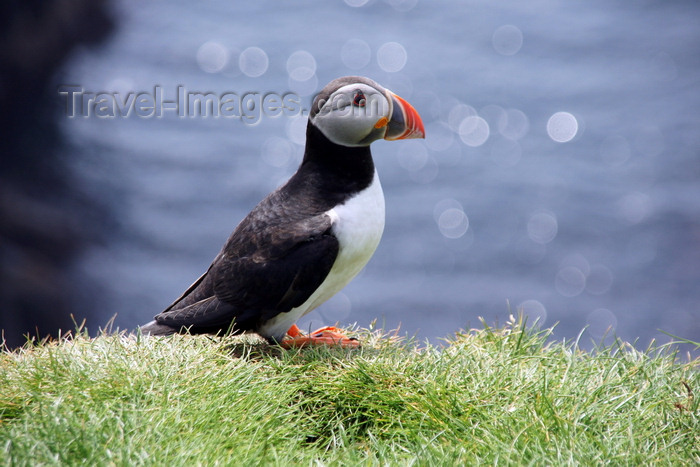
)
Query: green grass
[{"x": 496, "y": 396}]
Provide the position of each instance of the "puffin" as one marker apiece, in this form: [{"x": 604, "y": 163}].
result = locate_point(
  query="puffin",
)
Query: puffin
[{"x": 311, "y": 236}]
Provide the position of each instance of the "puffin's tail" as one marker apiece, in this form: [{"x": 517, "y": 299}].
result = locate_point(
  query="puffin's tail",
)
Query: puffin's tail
[{"x": 154, "y": 328}]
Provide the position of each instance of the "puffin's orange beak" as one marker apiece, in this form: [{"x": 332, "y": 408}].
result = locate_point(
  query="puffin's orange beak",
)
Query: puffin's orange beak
[{"x": 405, "y": 123}]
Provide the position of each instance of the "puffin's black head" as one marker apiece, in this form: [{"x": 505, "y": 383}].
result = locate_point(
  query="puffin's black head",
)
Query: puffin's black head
[{"x": 355, "y": 111}]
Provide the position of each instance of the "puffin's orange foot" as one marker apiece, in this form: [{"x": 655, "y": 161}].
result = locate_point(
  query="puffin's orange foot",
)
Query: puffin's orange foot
[{"x": 328, "y": 335}]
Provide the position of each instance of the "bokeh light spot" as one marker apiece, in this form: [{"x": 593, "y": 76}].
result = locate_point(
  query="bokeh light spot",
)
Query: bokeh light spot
[
  {"x": 457, "y": 115},
  {"x": 301, "y": 65},
  {"x": 212, "y": 57},
  {"x": 634, "y": 207},
  {"x": 562, "y": 127},
  {"x": 445, "y": 204},
  {"x": 391, "y": 57},
  {"x": 474, "y": 131},
  {"x": 578, "y": 261},
  {"x": 355, "y": 54},
  {"x": 601, "y": 322},
  {"x": 441, "y": 137},
  {"x": 450, "y": 218},
  {"x": 513, "y": 124},
  {"x": 412, "y": 157},
  {"x": 356, "y": 3},
  {"x": 570, "y": 281},
  {"x": 253, "y": 62},
  {"x": 296, "y": 130},
  {"x": 276, "y": 151},
  {"x": 427, "y": 173},
  {"x": 507, "y": 39},
  {"x": 453, "y": 223},
  {"x": 534, "y": 311},
  {"x": 303, "y": 88},
  {"x": 542, "y": 227}
]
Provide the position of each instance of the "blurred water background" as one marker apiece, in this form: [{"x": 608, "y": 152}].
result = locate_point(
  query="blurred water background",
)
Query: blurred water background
[{"x": 559, "y": 175}]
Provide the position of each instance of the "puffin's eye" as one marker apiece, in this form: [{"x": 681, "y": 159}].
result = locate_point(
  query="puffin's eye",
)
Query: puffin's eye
[{"x": 359, "y": 99}]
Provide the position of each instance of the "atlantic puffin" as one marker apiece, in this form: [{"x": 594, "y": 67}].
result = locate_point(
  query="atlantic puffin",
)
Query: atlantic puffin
[{"x": 307, "y": 239}]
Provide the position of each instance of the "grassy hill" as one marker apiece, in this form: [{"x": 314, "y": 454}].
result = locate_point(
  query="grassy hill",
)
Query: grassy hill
[{"x": 497, "y": 396}]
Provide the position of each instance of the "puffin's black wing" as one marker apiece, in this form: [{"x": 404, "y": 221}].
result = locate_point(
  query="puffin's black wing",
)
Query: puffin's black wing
[{"x": 276, "y": 270}]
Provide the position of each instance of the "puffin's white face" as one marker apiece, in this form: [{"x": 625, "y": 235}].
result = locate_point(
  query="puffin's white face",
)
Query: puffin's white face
[
  {"x": 358, "y": 113},
  {"x": 352, "y": 113}
]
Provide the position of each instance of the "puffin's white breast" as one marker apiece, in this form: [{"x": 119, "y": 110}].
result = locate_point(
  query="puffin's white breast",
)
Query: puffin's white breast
[{"x": 358, "y": 225}]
